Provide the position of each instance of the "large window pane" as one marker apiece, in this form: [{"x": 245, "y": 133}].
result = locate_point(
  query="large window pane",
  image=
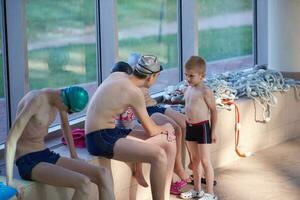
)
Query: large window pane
[
  {"x": 150, "y": 27},
  {"x": 3, "y": 114},
  {"x": 225, "y": 34},
  {"x": 61, "y": 43}
]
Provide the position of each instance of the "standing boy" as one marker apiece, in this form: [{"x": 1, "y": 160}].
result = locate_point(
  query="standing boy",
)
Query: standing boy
[{"x": 200, "y": 113}]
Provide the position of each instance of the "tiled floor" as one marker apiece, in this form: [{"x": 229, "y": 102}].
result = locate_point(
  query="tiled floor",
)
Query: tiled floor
[{"x": 273, "y": 173}]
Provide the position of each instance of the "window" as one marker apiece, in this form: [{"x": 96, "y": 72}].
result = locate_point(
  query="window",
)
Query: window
[
  {"x": 61, "y": 44},
  {"x": 225, "y": 34},
  {"x": 150, "y": 27},
  {"x": 3, "y": 114}
]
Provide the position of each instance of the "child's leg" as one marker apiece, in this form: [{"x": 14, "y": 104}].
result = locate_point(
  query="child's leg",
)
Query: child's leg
[
  {"x": 180, "y": 119},
  {"x": 204, "y": 151},
  {"x": 139, "y": 176},
  {"x": 161, "y": 119},
  {"x": 195, "y": 157}
]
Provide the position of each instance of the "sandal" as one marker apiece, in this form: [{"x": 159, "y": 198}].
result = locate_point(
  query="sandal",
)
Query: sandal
[
  {"x": 174, "y": 190},
  {"x": 180, "y": 184},
  {"x": 191, "y": 194}
]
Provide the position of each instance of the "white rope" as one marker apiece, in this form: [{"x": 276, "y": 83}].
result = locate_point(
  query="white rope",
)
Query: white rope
[{"x": 257, "y": 83}]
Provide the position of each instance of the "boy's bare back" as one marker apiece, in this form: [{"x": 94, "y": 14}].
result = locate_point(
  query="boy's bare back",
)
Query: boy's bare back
[{"x": 112, "y": 98}]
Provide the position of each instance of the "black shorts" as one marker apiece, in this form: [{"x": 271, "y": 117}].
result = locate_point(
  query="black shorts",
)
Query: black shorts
[
  {"x": 102, "y": 142},
  {"x": 27, "y": 162},
  {"x": 199, "y": 132}
]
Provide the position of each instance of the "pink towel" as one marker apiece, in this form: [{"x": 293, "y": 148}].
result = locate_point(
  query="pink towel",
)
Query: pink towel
[{"x": 78, "y": 137}]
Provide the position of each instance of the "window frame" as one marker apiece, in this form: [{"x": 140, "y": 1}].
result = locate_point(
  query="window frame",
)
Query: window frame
[{"x": 15, "y": 46}]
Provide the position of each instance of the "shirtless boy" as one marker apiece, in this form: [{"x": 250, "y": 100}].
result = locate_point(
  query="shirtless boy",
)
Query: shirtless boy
[
  {"x": 154, "y": 144},
  {"x": 164, "y": 115},
  {"x": 201, "y": 119},
  {"x": 36, "y": 112}
]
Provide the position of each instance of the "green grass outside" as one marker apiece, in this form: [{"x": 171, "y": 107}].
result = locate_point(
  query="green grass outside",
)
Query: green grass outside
[
  {"x": 215, "y": 44},
  {"x": 57, "y": 60},
  {"x": 44, "y": 16},
  {"x": 209, "y": 8}
]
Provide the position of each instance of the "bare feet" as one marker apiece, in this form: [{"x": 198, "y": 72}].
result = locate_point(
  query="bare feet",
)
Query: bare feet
[
  {"x": 179, "y": 171},
  {"x": 140, "y": 178},
  {"x": 190, "y": 166}
]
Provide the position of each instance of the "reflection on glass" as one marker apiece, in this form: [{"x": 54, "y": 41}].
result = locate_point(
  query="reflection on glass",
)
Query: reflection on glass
[
  {"x": 61, "y": 43},
  {"x": 150, "y": 27},
  {"x": 225, "y": 34}
]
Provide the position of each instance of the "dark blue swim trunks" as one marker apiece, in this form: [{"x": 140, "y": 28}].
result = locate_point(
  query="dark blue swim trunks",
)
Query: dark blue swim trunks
[
  {"x": 156, "y": 109},
  {"x": 27, "y": 162},
  {"x": 102, "y": 142},
  {"x": 199, "y": 132}
]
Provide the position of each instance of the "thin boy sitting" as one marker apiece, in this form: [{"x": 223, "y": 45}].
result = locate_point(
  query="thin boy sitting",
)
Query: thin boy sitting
[{"x": 201, "y": 112}]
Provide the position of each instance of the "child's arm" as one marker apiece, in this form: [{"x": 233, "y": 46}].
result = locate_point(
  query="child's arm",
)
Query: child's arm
[
  {"x": 29, "y": 109},
  {"x": 211, "y": 103},
  {"x": 68, "y": 133}
]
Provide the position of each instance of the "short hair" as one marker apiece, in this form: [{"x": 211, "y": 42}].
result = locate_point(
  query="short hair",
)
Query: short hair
[
  {"x": 122, "y": 67},
  {"x": 196, "y": 62}
]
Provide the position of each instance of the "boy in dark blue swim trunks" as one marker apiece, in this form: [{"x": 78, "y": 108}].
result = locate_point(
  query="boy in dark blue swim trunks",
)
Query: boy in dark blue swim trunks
[
  {"x": 201, "y": 112},
  {"x": 151, "y": 143},
  {"x": 36, "y": 112},
  {"x": 166, "y": 115}
]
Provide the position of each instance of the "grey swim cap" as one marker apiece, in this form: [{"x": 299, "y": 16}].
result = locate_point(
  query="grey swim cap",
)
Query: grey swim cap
[{"x": 148, "y": 64}]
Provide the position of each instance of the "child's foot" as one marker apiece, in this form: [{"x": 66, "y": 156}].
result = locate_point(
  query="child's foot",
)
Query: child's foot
[
  {"x": 208, "y": 196},
  {"x": 190, "y": 166},
  {"x": 191, "y": 194},
  {"x": 182, "y": 175},
  {"x": 141, "y": 179}
]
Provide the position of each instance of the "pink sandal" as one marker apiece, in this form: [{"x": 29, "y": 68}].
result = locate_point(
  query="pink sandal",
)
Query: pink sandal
[
  {"x": 180, "y": 184},
  {"x": 174, "y": 190}
]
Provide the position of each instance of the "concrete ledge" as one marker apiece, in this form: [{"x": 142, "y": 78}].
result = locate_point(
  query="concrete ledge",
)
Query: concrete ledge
[{"x": 255, "y": 136}]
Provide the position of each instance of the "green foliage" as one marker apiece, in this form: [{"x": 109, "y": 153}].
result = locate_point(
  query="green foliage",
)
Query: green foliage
[
  {"x": 60, "y": 63},
  {"x": 208, "y": 8}
]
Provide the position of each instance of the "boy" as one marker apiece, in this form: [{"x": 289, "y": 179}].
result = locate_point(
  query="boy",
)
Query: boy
[
  {"x": 200, "y": 109},
  {"x": 167, "y": 115},
  {"x": 36, "y": 112},
  {"x": 153, "y": 144}
]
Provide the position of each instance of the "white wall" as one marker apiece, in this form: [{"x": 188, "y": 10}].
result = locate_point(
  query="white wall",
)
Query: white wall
[{"x": 284, "y": 35}]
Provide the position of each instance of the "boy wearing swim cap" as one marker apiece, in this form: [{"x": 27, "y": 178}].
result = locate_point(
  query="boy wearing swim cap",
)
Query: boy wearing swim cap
[
  {"x": 36, "y": 112},
  {"x": 152, "y": 144}
]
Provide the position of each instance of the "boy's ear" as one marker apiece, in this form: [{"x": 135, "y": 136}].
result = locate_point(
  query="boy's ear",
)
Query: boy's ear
[{"x": 149, "y": 78}]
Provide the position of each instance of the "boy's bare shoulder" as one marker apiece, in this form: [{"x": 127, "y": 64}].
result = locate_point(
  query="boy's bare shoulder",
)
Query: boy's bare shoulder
[{"x": 206, "y": 90}]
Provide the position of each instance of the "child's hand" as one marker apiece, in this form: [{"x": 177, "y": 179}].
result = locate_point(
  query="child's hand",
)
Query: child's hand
[
  {"x": 169, "y": 131},
  {"x": 171, "y": 137},
  {"x": 214, "y": 138},
  {"x": 168, "y": 128}
]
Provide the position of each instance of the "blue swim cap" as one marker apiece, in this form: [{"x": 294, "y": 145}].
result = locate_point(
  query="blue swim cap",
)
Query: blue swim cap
[{"x": 75, "y": 98}]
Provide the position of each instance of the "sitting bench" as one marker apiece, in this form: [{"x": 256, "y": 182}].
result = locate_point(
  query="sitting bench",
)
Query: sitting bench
[{"x": 255, "y": 136}]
